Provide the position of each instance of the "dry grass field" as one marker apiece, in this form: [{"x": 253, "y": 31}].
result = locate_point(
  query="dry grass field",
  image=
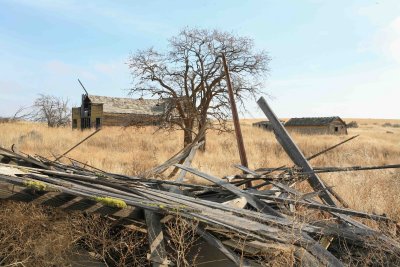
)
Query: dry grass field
[{"x": 132, "y": 151}]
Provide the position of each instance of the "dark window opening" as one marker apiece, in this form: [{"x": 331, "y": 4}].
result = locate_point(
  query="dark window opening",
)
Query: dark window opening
[
  {"x": 98, "y": 123},
  {"x": 336, "y": 129},
  {"x": 85, "y": 123},
  {"x": 74, "y": 124}
]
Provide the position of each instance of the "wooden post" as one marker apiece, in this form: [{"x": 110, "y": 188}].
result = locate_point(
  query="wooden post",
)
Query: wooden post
[
  {"x": 235, "y": 117},
  {"x": 294, "y": 152},
  {"x": 158, "y": 254}
]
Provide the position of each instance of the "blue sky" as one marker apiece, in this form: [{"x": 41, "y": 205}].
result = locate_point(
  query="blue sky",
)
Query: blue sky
[{"x": 337, "y": 57}]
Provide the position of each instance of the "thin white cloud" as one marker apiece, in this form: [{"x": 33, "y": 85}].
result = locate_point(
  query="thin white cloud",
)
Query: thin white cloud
[
  {"x": 386, "y": 41},
  {"x": 393, "y": 40},
  {"x": 383, "y": 15}
]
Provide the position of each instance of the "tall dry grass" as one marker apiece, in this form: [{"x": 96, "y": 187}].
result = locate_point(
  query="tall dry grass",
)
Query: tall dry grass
[{"x": 131, "y": 151}]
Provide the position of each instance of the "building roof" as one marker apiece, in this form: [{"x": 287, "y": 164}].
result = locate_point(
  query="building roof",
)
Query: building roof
[
  {"x": 130, "y": 105},
  {"x": 312, "y": 121}
]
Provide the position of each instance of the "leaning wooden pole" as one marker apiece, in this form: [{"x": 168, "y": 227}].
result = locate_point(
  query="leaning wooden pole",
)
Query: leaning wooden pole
[
  {"x": 294, "y": 152},
  {"x": 235, "y": 117}
]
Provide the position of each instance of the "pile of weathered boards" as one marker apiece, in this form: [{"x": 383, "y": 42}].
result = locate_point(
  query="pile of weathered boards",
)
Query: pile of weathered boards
[{"x": 263, "y": 217}]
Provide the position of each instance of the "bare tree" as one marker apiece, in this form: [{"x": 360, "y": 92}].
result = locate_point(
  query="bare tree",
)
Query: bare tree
[
  {"x": 190, "y": 75},
  {"x": 50, "y": 109}
]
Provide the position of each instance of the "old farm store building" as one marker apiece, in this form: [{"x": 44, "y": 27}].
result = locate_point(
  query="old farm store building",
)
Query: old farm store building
[
  {"x": 97, "y": 111},
  {"x": 320, "y": 125}
]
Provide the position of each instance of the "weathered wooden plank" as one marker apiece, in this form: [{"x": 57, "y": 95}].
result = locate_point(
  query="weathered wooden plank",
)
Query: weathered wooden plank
[
  {"x": 158, "y": 254},
  {"x": 256, "y": 203},
  {"x": 63, "y": 201},
  {"x": 182, "y": 154},
  {"x": 210, "y": 239},
  {"x": 294, "y": 152},
  {"x": 187, "y": 162},
  {"x": 27, "y": 159},
  {"x": 315, "y": 205}
]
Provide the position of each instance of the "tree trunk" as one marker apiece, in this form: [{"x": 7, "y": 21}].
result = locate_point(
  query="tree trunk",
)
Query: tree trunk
[
  {"x": 187, "y": 137},
  {"x": 202, "y": 148}
]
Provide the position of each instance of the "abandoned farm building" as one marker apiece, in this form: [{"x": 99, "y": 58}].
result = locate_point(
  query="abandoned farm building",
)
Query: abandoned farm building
[
  {"x": 318, "y": 125},
  {"x": 97, "y": 111}
]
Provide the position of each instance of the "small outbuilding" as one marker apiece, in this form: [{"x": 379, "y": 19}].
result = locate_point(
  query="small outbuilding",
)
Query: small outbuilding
[
  {"x": 97, "y": 111},
  {"x": 317, "y": 125}
]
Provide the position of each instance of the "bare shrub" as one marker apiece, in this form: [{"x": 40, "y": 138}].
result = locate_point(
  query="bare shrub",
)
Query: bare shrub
[
  {"x": 394, "y": 125},
  {"x": 33, "y": 136},
  {"x": 182, "y": 240},
  {"x": 47, "y": 108},
  {"x": 352, "y": 124},
  {"x": 376, "y": 255},
  {"x": 33, "y": 236},
  {"x": 4, "y": 120},
  {"x": 115, "y": 246}
]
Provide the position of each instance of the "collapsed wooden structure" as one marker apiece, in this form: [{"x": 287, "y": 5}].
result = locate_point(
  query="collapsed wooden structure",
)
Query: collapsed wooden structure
[{"x": 263, "y": 216}]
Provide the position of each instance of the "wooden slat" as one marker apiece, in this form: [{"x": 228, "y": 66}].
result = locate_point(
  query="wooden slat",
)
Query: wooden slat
[
  {"x": 253, "y": 201},
  {"x": 294, "y": 152},
  {"x": 27, "y": 159},
  {"x": 158, "y": 254}
]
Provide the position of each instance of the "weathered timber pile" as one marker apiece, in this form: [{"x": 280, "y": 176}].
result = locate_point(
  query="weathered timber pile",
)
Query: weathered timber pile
[{"x": 271, "y": 216}]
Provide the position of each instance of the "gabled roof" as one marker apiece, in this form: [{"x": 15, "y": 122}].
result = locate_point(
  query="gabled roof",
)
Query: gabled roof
[
  {"x": 312, "y": 121},
  {"x": 130, "y": 105}
]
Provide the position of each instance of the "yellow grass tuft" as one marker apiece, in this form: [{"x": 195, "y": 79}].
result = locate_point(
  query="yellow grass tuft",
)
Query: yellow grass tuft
[
  {"x": 111, "y": 202},
  {"x": 36, "y": 185}
]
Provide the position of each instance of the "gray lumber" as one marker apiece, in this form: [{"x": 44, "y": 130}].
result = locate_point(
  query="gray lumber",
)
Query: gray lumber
[
  {"x": 316, "y": 249},
  {"x": 294, "y": 152},
  {"x": 27, "y": 159},
  {"x": 182, "y": 154},
  {"x": 254, "y": 202},
  {"x": 158, "y": 254},
  {"x": 187, "y": 162},
  {"x": 210, "y": 239},
  {"x": 313, "y": 156},
  {"x": 315, "y": 205}
]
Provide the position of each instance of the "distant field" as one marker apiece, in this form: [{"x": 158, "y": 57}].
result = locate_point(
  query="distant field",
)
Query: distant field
[{"x": 131, "y": 151}]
